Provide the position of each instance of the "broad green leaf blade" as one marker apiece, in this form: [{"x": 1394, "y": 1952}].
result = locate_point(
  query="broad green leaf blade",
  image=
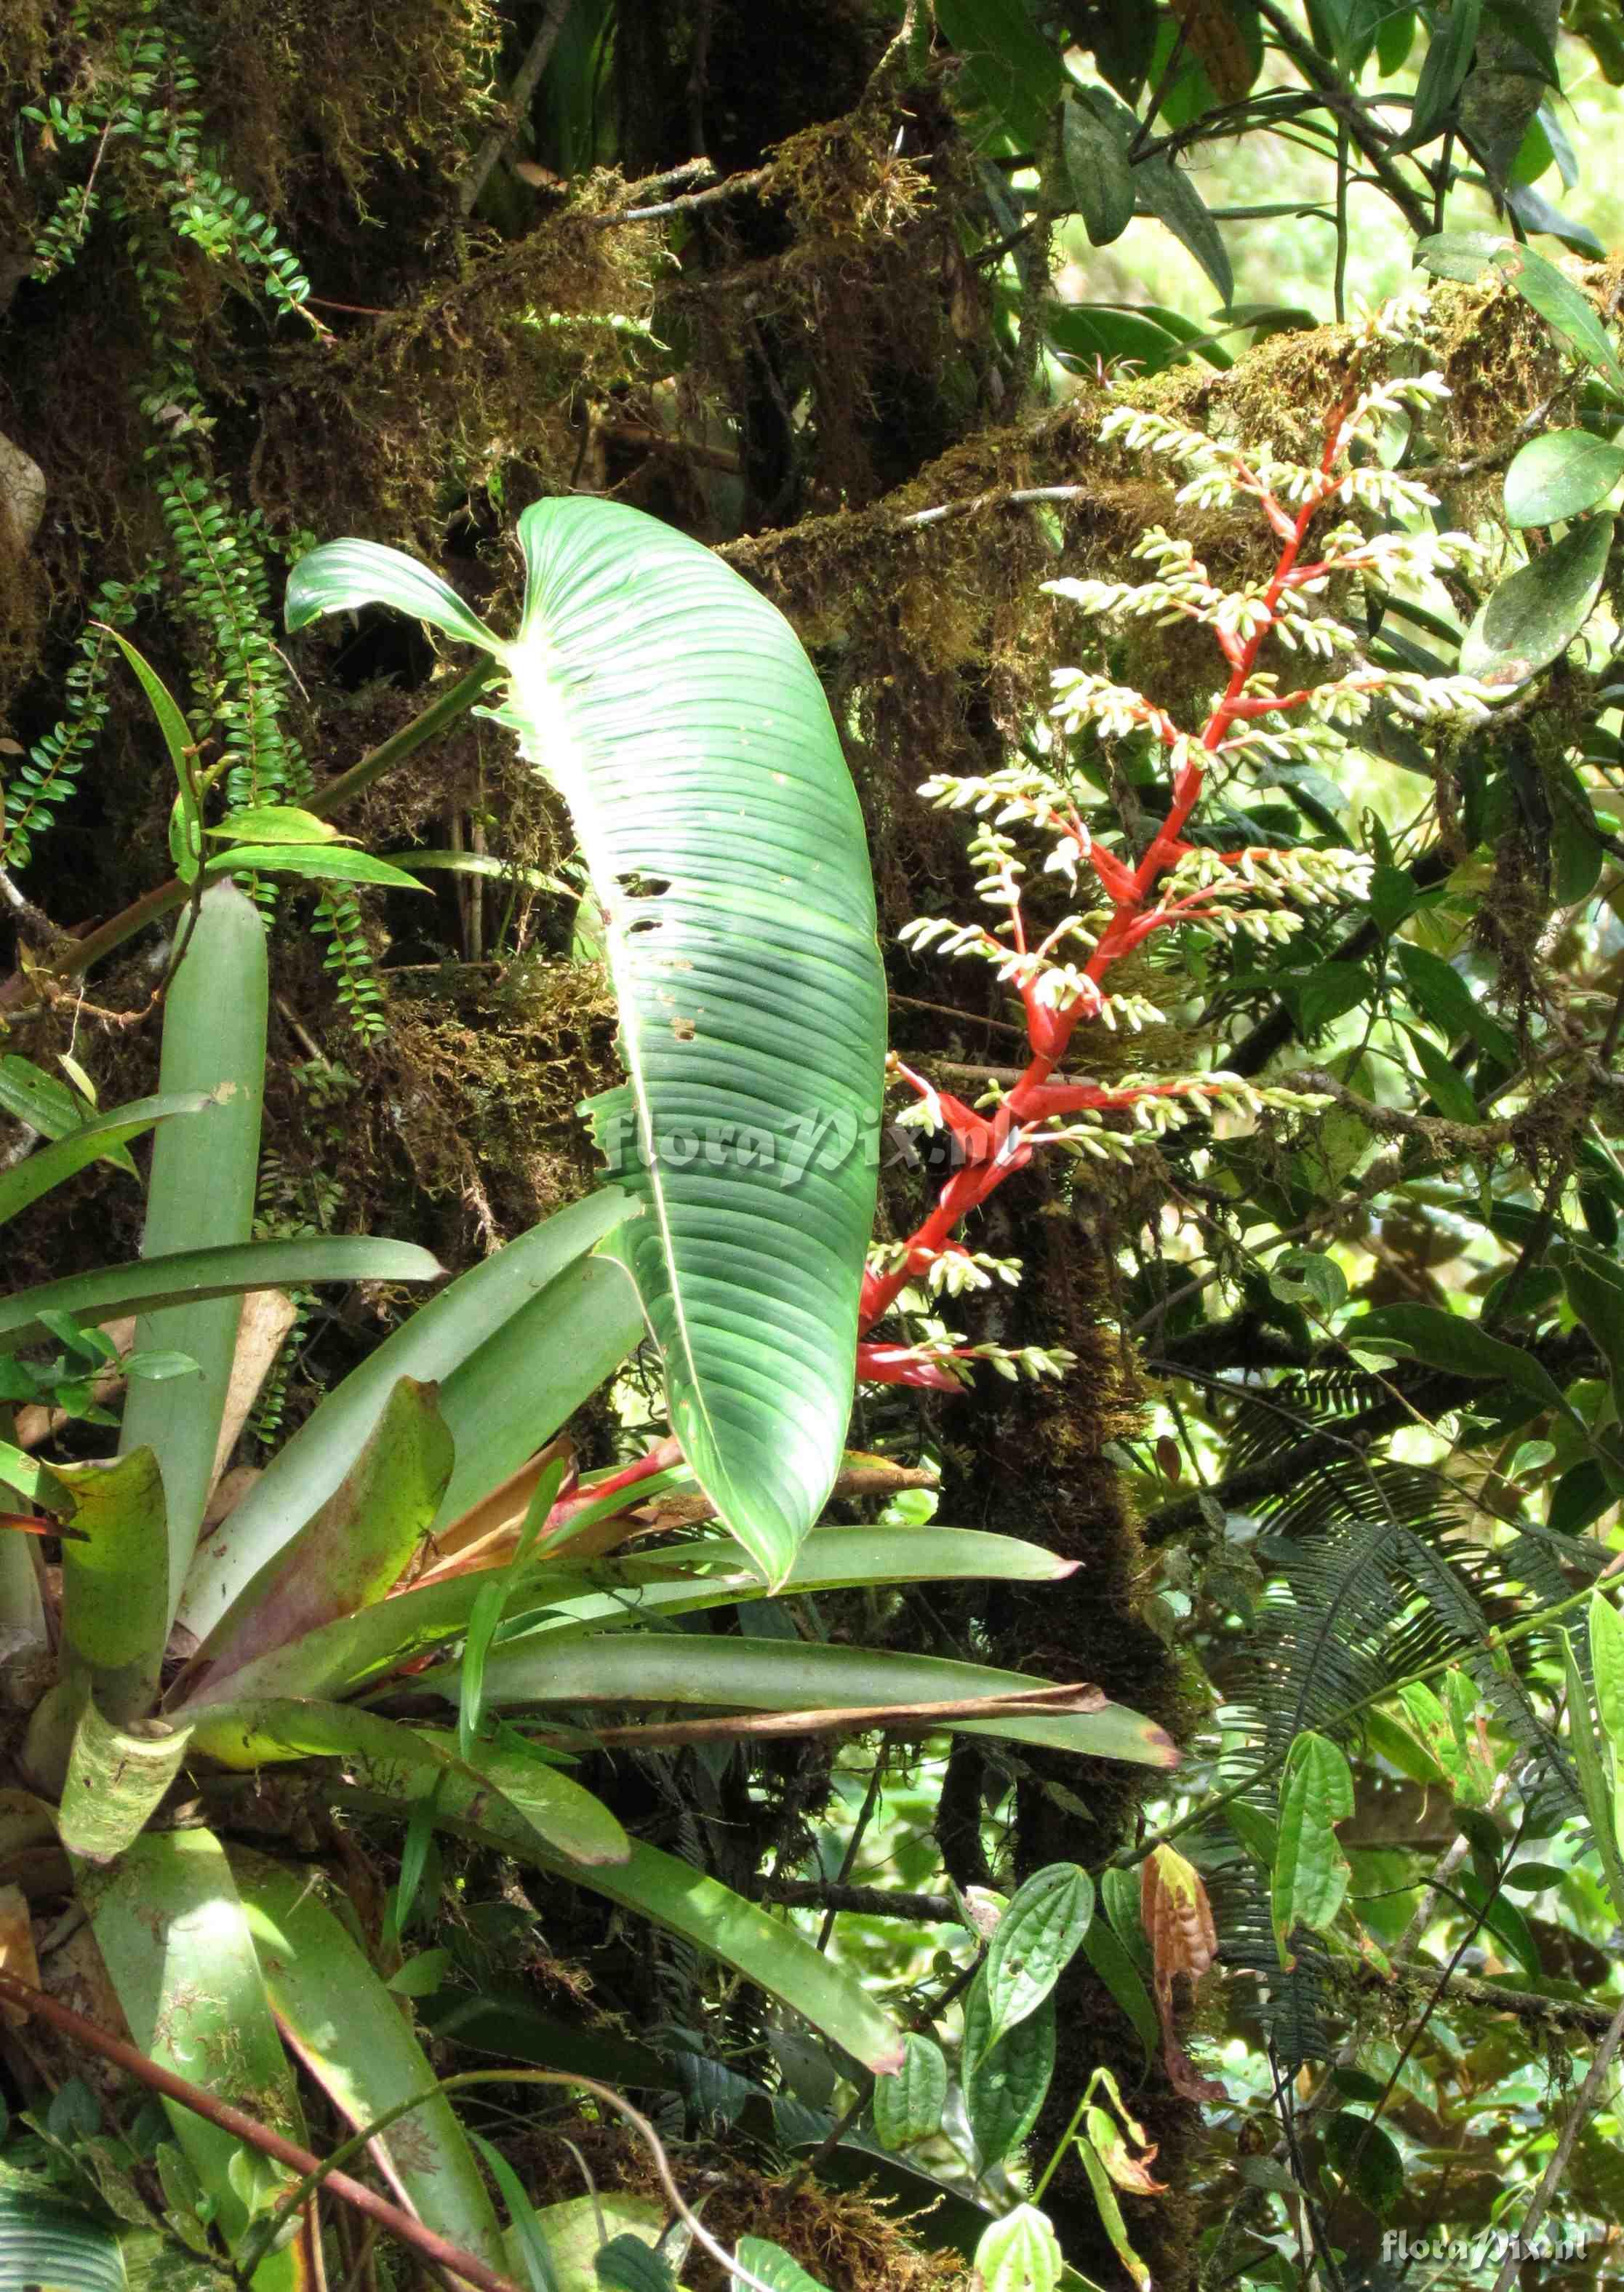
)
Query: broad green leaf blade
[
  {"x": 29, "y": 1095},
  {"x": 509, "y": 1397},
  {"x": 506, "y": 1793},
  {"x": 169, "y": 1923},
  {"x": 171, "y": 723},
  {"x": 115, "y": 1579},
  {"x": 1451, "y": 1092},
  {"x": 1536, "y": 613},
  {"x": 200, "y": 1195},
  {"x": 676, "y": 712},
  {"x": 593, "y": 1595},
  {"x": 908, "y": 2104},
  {"x": 780, "y": 1675},
  {"x": 57, "y": 2246},
  {"x": 775, "y": 2266},
  {"x": 1009, "y": 72},
  {"x": 1117, "y": 1969},
  {"x": 351, "y": 2036},
  {"x": 575, "y": 2231},
  {"x": 1019, "y": 2253},
  {"x": 629, "y": 2264},
  {"x": 1560, "y": 476},
  {"x": 1368, "y": 2159},
  {"x": 1448, "y": 60},
  {"x": 432, "y": 1346},
  {"x": 774, "y": 1956},
  {"x": 1167, "y": 193},
  {"x": 343, "y": 576},
  {"x": 51, "y": 1166},
  {"x": 115, "y": 1782},
  {"x": 275, "y": 823},
  {"x": 1311, "y": 1873},
  {"x": 188, "y": 1276},
  {"x": 1458, "y": 1343},
  {"x": 356, "y": 1548},
  {"x": 328, "y": 863},
  {"x": 1005, "y": 2083},
  {"x": 1441, "y": 995},
  {"x": 1174, "y": 200},
  {"x": 1099, "y": 172},
  {"x": 1033, "y": 1942},
  {"x": 1595, "y": 1292}
]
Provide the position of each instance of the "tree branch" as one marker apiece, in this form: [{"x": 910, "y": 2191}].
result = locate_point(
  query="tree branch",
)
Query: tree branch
[{"x": 435, "y": 2249}]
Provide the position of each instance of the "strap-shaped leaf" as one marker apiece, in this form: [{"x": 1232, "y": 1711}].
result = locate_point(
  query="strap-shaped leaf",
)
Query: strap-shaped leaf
[
  {"x": 513, "y": 1293},
  {"x": 674, "y": 710},
  {"x": 169, "y": 1923},
  {"x": 350, "y": 2034}
]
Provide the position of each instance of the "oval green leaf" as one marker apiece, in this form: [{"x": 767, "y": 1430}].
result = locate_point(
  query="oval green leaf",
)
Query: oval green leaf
[
  {"x": 1006, "y": 2085},
  {"x": 1534, "y": 616},
  {"x": 908, "y": 2104},
  {"x": 1033, "y": 1942},
  {"x": 1311, "y": 1873},
  {"x": 1560, "y": 476}
]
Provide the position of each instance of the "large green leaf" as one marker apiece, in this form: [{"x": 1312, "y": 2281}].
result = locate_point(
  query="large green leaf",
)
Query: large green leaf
[
  {"x": 115, "y": 1784},
  {"x": 1561, "y": 475},
  {"x": 396, "y": 1764},
  {"x": 1311, "y": 1873},
  {"x": 434, "y": 1345},
  {"x": 168, "y": 1922},
  {"x": 1168, "y": 192},
  {"x": 510, "y": 1793},
  {"x": 190, "y": 1275},
  {"x": 573, "y": 1598},
  {"x": 1536, "y": 613},
  {"x": 349, "y": 2033},
  {"x": 50, "y": 2242},
  {"x": 357, "y": 1546},
  {"x": 674, "y": 709},
  {"x": 115, "y": 1579},
  {"x": 789, "y": 1676},
  {"x": 343, "y": 575},
  {"x": 201, "y": 1195}
]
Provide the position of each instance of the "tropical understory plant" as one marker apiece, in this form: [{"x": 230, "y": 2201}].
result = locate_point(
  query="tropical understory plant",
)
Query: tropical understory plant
[
  {"x": 421, "y": 1562},
  {"x": 422, "y": 1604}
]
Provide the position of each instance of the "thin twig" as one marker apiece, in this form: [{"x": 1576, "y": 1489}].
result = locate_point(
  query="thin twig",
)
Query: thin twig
[
  {"x": 863, "y": 1901},
  {"x": 870, "y": 1800},
  {"x": 435, "y": 2249},
  {"x": 1589, "y": 2094},
  {"x": 525, "y": 81},
  {"x": 732, "y": 187}
]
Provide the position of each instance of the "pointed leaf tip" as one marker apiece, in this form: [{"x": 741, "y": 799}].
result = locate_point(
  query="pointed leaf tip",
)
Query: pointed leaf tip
[{"x": 343, "y": 576}]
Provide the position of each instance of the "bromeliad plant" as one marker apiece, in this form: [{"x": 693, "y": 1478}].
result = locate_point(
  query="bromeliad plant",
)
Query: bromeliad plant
[
  {"x": 420, "y": 1595},
  {"x": 1116, "y": 903}
]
